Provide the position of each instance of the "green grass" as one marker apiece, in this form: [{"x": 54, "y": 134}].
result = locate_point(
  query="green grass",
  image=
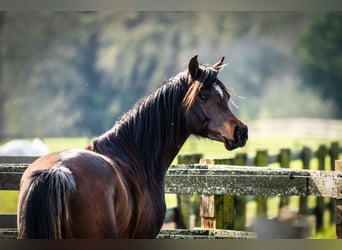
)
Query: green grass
[
  {"x": 8, "y": 202},
  {"x": 213, "y": 149},
  {"x": 61, "y": 143},
  {"x": 209, "y": 149}
]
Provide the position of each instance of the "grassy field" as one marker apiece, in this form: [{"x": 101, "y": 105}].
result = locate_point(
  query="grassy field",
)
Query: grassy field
[{"x": 209, "y": 149}]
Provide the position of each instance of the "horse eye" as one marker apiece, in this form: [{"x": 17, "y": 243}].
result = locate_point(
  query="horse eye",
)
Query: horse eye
[{"x": 203, "y": 97}]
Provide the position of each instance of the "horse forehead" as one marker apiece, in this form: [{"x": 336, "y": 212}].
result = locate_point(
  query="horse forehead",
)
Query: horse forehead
[
  {"x": 218, "y": 90},
  {"x": 224, "y": 99}
]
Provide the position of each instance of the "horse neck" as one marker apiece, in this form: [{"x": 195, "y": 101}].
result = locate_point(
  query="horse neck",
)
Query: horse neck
[{"x": 149, "y": 136}]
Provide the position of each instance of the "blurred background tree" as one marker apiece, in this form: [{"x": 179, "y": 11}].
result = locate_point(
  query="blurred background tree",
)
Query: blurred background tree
[
  {"x": 75, "y": 73},
  {"x": 320, "y": 54}
]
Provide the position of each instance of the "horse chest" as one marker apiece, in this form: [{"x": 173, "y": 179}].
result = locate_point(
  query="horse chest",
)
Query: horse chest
[
  {"x": 144, "y": 212},
  {"x": 150, "y": 215}
]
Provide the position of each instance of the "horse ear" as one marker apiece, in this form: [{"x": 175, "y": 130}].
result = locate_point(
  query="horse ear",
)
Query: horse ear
[
  {"x": 219, "y": 64},
  {"x": 193, "y": 67}
]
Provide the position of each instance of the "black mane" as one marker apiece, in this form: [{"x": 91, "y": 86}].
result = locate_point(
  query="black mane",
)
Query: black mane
[
  {"x": 143, "y": 134},
  {"x": 149, "y": 136}
]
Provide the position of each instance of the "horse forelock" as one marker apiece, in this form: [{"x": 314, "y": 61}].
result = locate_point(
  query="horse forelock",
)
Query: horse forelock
[{"x": 206, "y": 78}]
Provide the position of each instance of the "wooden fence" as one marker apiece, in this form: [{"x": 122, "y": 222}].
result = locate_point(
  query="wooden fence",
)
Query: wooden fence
[
  {"x": 235, "y": 206},
  {"x": 223, "y": 189}
]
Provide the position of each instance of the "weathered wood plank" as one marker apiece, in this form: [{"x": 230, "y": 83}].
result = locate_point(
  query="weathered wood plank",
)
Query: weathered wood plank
[
  {"x": 261, "y": 160},
  {"x": 11, "y": 233},
  {"x": 321, "y": 153},
  {"x": 284, "y": 161},
  {"x": 10, "y": 175},
  {"x": 13, "y": 167},
  {"x": 8, "y": 220},
  {"x": 240, "y": 200},
  {"x": 236, "y": 180},
  {"x": 8, "y": 233},
  {"x": 9, "y": 181},
  {"x": 338, "y": 206},
  {"x": 188, "y": 205},
  {"x": 334, "y": 155},
  {"x": 17, "y": 159},
  {"x": 221, "y": 216},
  {"x": 306, "y": 158},
  {"x": 205, "y": 234}
]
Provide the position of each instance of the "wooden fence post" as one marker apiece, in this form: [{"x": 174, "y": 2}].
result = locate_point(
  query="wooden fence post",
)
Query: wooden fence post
[
  {"x": 319, "y": 210},
  {"x": 186, "y": 208},
  {"x": 284, "y": 160},
  {"x": 261, "y": 160},
  {"x": 240, "y": 200},
  {"x": 207, "y": 205},
  {"x": 338, "y": 205},
  {"x": 303, "y": 200},
  {"x": 333, "y": 152},
  {"x": 217, "y": 211}
]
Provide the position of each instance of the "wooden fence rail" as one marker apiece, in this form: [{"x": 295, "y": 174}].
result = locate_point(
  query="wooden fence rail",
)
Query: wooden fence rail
[
  {"x": 284, "y": 159},
  {"x": 240, "y": 180},
  {"x": 228, "y": 179},
  {"x": 224, "y": 178},
  {"x": 233, "y": 180}
]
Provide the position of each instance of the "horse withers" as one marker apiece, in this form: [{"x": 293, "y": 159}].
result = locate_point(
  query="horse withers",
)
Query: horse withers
[{"x": 115, "y": 187}]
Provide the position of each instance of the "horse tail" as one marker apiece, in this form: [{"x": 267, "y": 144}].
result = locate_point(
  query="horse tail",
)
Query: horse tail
[{"x": 45, "y": 210}]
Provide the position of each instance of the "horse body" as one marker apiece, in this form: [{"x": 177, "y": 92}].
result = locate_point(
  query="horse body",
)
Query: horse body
[
  {"x": 115, "y": 188},
  {"x": 106, "y": 203}
]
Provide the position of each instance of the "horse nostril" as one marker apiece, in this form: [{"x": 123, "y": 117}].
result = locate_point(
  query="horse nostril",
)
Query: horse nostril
[{"x": 241, "y": 133}]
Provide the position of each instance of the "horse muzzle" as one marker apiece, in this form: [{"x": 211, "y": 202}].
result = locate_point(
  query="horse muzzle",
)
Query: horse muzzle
[{"x": 240, "y": 138}]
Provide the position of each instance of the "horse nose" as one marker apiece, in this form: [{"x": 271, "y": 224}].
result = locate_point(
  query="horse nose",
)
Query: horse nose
[{"x": 241, "y": 134}]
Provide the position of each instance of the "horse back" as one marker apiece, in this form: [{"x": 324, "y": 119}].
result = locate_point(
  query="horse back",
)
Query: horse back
[{"x": 92, "y": 204}]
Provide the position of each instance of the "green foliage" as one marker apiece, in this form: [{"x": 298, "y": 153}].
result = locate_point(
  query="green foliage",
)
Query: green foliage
[
  {"x": 75, "y": 73},
  {"x": 320, "y": 53}
]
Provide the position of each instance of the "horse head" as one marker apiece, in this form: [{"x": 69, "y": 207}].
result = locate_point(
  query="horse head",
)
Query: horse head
[{"x": 206, "y": 105}]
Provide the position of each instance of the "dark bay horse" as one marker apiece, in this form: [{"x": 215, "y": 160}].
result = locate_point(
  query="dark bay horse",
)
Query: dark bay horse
[{"x": 115, "y": 187}]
